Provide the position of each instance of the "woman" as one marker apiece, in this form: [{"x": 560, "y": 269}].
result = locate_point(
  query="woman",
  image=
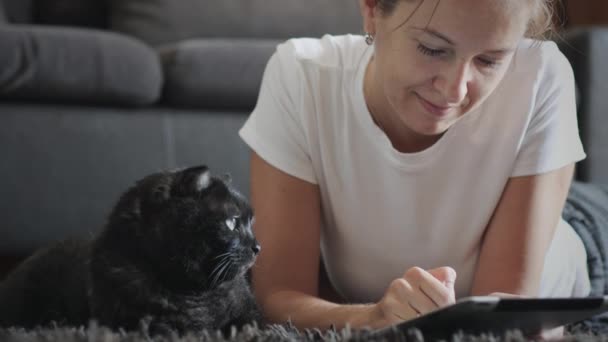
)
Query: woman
[{"x": 425, "y": 162}]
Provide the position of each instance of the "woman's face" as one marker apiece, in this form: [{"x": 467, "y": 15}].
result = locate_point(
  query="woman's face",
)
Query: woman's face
[{"x": 437, "y": 66}]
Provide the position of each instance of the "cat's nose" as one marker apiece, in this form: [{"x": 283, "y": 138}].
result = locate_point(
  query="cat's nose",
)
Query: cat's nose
[{"x": 256, "y": 249}]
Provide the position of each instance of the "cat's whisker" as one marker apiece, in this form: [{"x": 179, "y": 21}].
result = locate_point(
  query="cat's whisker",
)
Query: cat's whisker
[
  {"x": 213, "y": 281},
  {"x": 217, "y": 267},
  {"x": 228, "y": 271},
  {"x": 224, "y": 270},
  {"x": 226, "y": 266},
  {"x": 221, "y": 255},
  {"x": 220, "y": 266}
]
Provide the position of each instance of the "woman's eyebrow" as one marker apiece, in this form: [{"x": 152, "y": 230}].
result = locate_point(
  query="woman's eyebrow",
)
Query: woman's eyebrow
[{"x": 434, "y": 33}]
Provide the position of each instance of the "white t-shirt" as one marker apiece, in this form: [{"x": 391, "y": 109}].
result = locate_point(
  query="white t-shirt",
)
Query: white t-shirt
[{"x": 384, "y": 211}]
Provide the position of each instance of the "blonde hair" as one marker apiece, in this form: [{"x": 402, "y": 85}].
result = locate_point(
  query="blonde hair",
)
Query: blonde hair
[{"x": 541, "y": 25}]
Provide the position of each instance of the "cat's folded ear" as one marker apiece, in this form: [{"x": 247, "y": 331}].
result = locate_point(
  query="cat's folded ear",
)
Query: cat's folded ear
[
  {"x": 198, "y": 177},
  {"x": 202, "y": 181}
]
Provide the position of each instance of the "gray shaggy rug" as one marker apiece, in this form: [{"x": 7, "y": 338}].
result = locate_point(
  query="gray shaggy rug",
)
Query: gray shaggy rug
[{"x": 253, "y": 333}]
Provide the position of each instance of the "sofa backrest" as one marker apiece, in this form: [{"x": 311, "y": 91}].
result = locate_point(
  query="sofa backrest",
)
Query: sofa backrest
[
  {"x": 3, "y": 19},
  {"x": 86, "y": 13},
  {"x": 167, "y": 21},
  {"x": 18, "y": 11}
]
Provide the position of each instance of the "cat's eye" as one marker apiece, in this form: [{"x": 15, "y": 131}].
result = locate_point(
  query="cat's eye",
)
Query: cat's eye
[{"x": 231, "y": 223}]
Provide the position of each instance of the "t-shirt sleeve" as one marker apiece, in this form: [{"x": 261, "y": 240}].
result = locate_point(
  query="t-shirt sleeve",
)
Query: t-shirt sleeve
[
  {"x": 552, "y": 137},
  {"x": 274, "y": 130}
]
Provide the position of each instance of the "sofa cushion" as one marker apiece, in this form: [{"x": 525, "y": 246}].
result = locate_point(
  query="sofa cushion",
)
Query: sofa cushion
[
  {"x": 215, "y": 73},
  {"x": 87, "y": 13},
  {"x": 165, "y": 21},
  {"x": 18, "y": 11},
  {"x": 76, "y": 65}
]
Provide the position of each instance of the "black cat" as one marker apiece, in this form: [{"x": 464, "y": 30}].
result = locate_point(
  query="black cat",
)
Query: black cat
[{"x": 174, "y": 254}]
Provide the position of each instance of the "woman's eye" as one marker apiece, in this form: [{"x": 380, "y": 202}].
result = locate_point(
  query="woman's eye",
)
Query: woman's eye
[
  {"x": 488, "y": 62},
  {"x": 231, "y": 223},
  {"x": 428, "y": 51}
]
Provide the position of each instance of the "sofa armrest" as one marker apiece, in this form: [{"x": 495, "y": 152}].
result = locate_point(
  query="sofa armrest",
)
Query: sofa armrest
[
  {"x": 587, "y": 51},
  {"x": 75, "y": 65}
]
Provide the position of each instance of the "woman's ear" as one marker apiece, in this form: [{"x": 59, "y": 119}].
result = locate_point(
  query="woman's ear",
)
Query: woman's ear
[{"x": 369, "y": 13}]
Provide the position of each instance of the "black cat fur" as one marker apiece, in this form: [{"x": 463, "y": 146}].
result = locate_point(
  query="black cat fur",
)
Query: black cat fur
[{"x": 168, "y": 256}]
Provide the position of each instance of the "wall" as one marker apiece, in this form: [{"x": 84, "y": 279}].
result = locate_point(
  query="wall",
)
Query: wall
[{"x": 586, "y": 12}]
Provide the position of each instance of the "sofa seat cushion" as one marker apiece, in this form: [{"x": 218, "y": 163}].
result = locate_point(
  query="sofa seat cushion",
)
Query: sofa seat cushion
[
  {"x": 55, "y": 64},
  {"x": 215, "y": 73},
  {"x": 168, "y": 21}
]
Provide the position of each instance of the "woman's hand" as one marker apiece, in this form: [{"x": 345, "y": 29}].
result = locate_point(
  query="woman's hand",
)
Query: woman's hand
[{"x": 416, "y": 293}]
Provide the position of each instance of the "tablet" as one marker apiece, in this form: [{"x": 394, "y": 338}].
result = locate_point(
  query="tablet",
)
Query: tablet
[{"x": 489, "y": 314}]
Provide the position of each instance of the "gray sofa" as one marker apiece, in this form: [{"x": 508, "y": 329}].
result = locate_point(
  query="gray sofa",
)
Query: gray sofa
[{"x": 96, "y": 94}]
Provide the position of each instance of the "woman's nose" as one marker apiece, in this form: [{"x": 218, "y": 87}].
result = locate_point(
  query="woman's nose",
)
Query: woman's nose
[{"x": 453, "y": 83}]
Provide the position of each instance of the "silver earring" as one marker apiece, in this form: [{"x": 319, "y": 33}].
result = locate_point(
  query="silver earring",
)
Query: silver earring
[{"x": 369, "y": 38}]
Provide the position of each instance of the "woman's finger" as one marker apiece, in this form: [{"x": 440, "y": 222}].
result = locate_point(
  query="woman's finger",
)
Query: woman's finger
[
  {"x": 440, "y": 294},
  {"x": 410, "y": 293},
  {"x": 396, "y": 302}
]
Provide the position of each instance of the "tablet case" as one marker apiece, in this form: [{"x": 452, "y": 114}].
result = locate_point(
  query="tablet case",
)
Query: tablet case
[{"x": 480, "y": 314}]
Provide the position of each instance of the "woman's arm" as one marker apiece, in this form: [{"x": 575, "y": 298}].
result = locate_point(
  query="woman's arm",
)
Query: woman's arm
[
  {"x": 520, "y": 232},
  {"x": 285, "y": 277},
  {"x": 286, "y": 274}
]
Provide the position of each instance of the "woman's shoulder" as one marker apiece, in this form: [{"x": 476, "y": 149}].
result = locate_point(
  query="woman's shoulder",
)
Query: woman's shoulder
[
  {"x": 328, "y": 51},
  {"x": 542, "y": 60},
  {"x": 537, "y": 69}
]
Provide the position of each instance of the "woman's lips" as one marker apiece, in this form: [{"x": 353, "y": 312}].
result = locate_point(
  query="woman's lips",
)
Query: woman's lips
[{"x": 438, "y": 111}]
